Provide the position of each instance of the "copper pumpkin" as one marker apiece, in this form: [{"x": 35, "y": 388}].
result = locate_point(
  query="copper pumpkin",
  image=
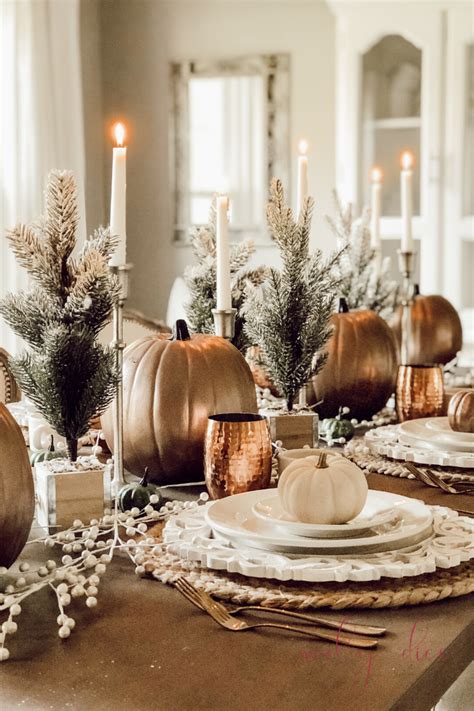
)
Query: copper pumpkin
[
  {"x": 171, "y": 386},
  {"x": 17, "y": 499},
  {"x": 436, "y": 331},
  {"x": 259, "y": 372},
  {"x": 461, "y": 411},
  {"x": 361, "y": 367}
]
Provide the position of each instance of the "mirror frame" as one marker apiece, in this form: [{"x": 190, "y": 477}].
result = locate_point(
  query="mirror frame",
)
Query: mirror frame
[{"x": 275, "y": 68}]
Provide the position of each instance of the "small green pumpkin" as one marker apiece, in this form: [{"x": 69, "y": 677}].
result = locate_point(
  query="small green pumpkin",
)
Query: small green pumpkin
[
  {"x": 337, "y": 427},
  {"x": 44, "y": 455},
  {"x": 137, "y": 495}
]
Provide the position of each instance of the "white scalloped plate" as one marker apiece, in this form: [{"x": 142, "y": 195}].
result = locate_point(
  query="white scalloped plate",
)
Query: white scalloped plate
[
  {"x": 189, "y": 536},
  {"x": 435, "y": 433},
  {"x": 374, "y": 513},
  {"x": 385, "y": 441},
  {"x": 234, "y": 519}
]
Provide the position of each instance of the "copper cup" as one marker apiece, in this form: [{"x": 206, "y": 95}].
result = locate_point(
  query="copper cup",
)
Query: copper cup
[
  {"x": 420, "y": 390},
  {"x": 237, "y": 454}
]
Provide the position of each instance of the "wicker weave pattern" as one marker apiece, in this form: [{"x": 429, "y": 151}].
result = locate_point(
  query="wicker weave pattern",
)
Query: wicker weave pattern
[{"x": 237, "y": 589}]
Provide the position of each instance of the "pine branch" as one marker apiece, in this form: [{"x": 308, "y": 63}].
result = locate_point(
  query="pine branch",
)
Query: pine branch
[
  {"x": 65, "y": 372},
  {"x": 362, "y": 281},
  {"x": 288, "y": 315}
]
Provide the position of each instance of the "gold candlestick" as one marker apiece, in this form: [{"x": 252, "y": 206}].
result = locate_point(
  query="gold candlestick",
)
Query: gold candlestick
[
  {"x": 224, "y": 322},
  {"x": 118, "y": 344},
  {"x": 406, "y": 262}
]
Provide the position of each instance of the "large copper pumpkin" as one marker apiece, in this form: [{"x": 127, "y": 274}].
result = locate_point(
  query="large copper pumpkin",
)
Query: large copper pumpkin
[
  {"x": 361, "y": 368},
  {"x": 171, "y": 386},
  {"x": 461, "y": 411},
  {"x": 17, "y": 498},
  {"x": 436, "y": 331}
]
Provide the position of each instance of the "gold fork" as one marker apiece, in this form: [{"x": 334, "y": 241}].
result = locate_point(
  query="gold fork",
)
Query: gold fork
[
  {"x": 431, "y": 479},
  {"x": 223, "y": 618},
  {"x": 369, "y": 630}
]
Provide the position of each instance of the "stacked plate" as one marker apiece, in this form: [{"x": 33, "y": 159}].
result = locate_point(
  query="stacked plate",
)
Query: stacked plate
[
  {"x": 429, "y": 440},
  {"x": 257, "y": 520}
]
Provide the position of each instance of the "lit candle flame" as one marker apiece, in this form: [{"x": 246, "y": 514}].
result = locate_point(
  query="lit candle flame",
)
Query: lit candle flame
[
  {"x": 407, "y": 160},
  {"x": 119, "y": 131},
  {"x": 303, "y": 147},
  {"x": 376, "y": 175}
]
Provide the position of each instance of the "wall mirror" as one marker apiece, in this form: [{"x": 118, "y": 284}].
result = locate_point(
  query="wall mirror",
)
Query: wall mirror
[{"x": 230, "y": 133}]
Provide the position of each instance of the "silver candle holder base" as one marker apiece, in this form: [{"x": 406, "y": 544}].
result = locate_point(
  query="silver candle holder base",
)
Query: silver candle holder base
[
  {"x": 224, "y": 322},
  {"x": 118, "y": 344},
  {"x": 406, "y": 266}
]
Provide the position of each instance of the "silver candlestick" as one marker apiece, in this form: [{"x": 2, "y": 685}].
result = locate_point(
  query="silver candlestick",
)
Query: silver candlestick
[
  {"x": 406, "y": 263},
  {"x": 118, "y": 344},
  {"x": 224, "y": 322}
]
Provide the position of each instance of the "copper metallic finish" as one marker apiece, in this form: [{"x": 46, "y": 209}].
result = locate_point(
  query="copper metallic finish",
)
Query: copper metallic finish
[
  {"x": 420, "y": 390},
  {"x": 171, "y": 386},
  {"x": 461, "y": 411},
  {"x": 435, "y": 333},
  {"x": 17, "y": 502},
  {"x": 361, "y": 367},
  {"x": 238, "y": 454}
]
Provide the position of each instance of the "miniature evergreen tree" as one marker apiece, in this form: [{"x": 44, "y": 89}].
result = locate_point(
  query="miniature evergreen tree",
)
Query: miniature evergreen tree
[
  {"x": 68, "y": 375},
  {"x": 201, "y": 280},
  {"x": 288, "y": 317},
  {"x": 364, "y": 278}
]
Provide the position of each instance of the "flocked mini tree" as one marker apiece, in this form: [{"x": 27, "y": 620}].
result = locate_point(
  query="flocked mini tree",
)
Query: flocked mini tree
[
  {"x": 68, "y": 375},
  {"x": 364, "y": 277},
  {"x": 288, "y": 316},
  {"x": 201, "y": 280}
]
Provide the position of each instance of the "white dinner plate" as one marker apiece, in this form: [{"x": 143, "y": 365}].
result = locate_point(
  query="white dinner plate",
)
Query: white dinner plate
[
  {"x": 375, "y": 513},
  {"x": 234, "y": 519},
  {"x": 435, "y": 433}
]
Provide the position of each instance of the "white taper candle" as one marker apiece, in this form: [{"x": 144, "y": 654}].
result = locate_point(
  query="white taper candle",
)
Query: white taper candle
[
  {"x": 376, "y": 203},
  {"x": 118, "y": 198},
  {"x": 302, "y": 178},
  {"x": 406, "y": 192},
  {"x": 224, "y": 300}
]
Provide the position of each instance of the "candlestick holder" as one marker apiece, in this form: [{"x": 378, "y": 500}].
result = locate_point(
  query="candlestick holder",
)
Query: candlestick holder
[
  {"x": 224, "y": 322},
  {"x": 118, "y": 344},
  {"x": 406, "y": 264}
]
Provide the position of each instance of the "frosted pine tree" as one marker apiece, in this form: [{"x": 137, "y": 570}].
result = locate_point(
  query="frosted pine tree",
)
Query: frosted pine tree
[
  {"x": 68, "y": 375},
  {"x": 288, "y": 316},
  {"x": 201, "y": 280},
  {"x": 364, "y": 278}
]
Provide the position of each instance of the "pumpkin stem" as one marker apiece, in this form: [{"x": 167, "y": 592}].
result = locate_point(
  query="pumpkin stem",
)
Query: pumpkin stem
[
  {"x": 322, "y": 461},
  {"x": 416, "y": 289},
  {"x": 181, "y": 331},
  {"x": 343, "y": 307},
  {"x": 144, "y": 481},
  {"x": 51, "y": 444}
]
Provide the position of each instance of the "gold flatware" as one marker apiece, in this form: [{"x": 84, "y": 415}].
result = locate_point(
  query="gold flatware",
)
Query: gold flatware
[
  {"x": 429, "y": 477},
  {"x": 220, "y": 615},
  {"x": 369, "y": 630}
]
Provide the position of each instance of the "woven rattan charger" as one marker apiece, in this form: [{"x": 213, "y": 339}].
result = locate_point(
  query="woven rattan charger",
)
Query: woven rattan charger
[{"x": 416, "y": 590}]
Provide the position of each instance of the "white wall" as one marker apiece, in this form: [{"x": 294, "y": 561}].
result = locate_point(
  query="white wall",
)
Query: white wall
[{"x": 139, "y": 39}]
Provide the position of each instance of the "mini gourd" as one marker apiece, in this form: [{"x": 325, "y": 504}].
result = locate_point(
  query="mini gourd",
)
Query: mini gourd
[
  {"x": 45, "y": 455},
  {"x": 324, "y": 489},
  {"x": 337, "y": 427},
  {"x": 461, "y": 411},
  {"x": 136, "y": 495}
]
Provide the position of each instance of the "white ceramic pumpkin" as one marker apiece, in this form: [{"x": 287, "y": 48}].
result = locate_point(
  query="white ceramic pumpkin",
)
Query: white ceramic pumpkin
[{"x": 324, "y": 489}]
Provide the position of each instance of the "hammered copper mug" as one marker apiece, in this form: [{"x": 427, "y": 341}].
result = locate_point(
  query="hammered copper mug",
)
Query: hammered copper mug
[
  {"x": 420, "y": 390},
  {"x": 237, "y": 454}
]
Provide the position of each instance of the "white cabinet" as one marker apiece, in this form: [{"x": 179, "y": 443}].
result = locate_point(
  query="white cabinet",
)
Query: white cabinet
[{"x": 405, "y": 81}]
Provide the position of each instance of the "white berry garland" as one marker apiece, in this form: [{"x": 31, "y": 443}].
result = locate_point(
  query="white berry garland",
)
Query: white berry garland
[{"x": 87, "y": 551}]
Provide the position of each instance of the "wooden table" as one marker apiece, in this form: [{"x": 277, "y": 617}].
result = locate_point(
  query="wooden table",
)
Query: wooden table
[{"x": 144, "y": 647}]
